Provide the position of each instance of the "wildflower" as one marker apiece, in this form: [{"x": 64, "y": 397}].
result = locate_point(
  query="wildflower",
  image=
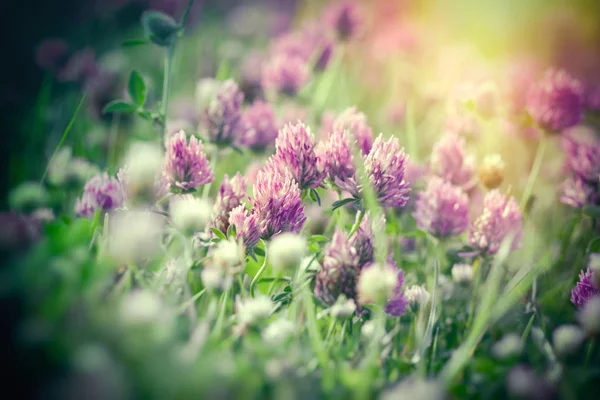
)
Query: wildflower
[
  {"x": 577, "y": 193},
  {"x": 277, "y": 203},
  {"x": 185, "y": 166},
  {"x": 246, "y": 226},
  {"x": 260, "y": 125},
  {"x": 189, "y": 214},
  {"x": 311, "y": 44},
  {"x": 141, "y": 307},
  {"x": 253, "y": 310},
  {"x": 355, "y": 122},
  {"x": 206, "y": 89},
  {"x": 585, "y": 289},
  {"x": 396, "y": 305},
  {"x": 134, "y": 235},
  {"x": 18, "y": 231},
  {"x": 442, "y": 209},
  {"x": 415, "y": 388},
  {"x": 462, "y": 273},
  {"x": 556, "y": 102},
  {"x": 510, "y": 346},
  {"x": 589, "y": 316},
  {"x": 277, "y": 332},
  {"x": 522, "y": 382},
  {"x": 417, "y": 295},
  {"x": 51, "y": 54},
  {"x": 343, "y": 308},
  {"x": 344, "y": 18},
  {"x": 287, "y": 250},
  {"x": 582, "y": 149},
  {"x": 284, "y": 74},
  {"x": 499, "y": 220},
  {"x": 28, "y": 196},
  {"x": 232, "y": 193},
  {"x": 225, "y": 260},
  {"x": 143, "y": 164},
  {"x": 376, "y": 284},
  {"x": 221, "y": 119},
  {"x": 592, "y": 100},
  {"x": 567, "y": 339},
  {"x": 385, "y": 166},
  {"x": 339, "y": 272},
  {"x": 336, "y": 160},
  {"x": 450, "y": 162},
  {"x": 462, "y": 123},
  {"x": 362, "y": 241},
  {"x": 491, "y": 171},
  {"x": 100, "y": 193},
  {"x": 295, "y": 151}
]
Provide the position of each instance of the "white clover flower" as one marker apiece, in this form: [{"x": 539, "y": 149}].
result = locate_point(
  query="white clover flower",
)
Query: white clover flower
[
  {"x": 143, "y": 163},
  {"x": 141, "y": 307},
  {"x": 567, "y": 339},
  {"x": 376, "y": 284},
  {"x": 206, "y": 89},
  {"x": 287, "y": 250},
  {"x": 190, "y": 214},
  {"x": 417, "y": 295},
  {"x": 252, "y": 310},
  {"x": 228, "y": 256},
  {"x": 508, "y": 347},
  {"x": 278, "y": 332},
  {"x": 134, "y": 235},
  {"x": 343, "y": 308},
  {"x": 415, "y": 388},
  {"x": 215, "y": 278},
  {"x": 462, "y": 273},
  {"x": 589, "y": 316}
]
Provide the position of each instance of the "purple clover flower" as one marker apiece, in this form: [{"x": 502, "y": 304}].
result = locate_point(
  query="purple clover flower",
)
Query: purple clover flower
[
  {"x": 186, "y": 166},
  {"x": 221, "y": 120},
  {"x": 356, "y": 123},
  {"x": 277, "y": 203},
  {"x": 385, "y": 166},
  {"x": 295, "y": 151},
  {"x": 556, "y": 102},
  {"x": 284, "y": 74},
  {"x": 362, "y": 241},
  {"x": 337, "y": 161},
  {"x": 592, "y": 99},
  {"x": 311, "y": 43},
  {"x": 260, "y": 125},
  {"x": 577, "y": 193},
  {"x": 442, "y": 209},
  {"x": 101, "y": 192},
  {"x": 500, "y": 219},
  {"x": 582, "y": 148},
  {"x": 51, "y": 54},
  {"x": 584, "y": 289},
  {"x": 231, "y": 194},
  {"x": 246, "y": 226},
  {"x": 396, "y": 306},
  {"x": 344, "y": 17},
  {"x": 450, "y": 162},
  {"x": 339, "y": 271}
]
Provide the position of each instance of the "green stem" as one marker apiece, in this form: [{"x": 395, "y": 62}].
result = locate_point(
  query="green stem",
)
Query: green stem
[
  {"x": 213, "y": 166},
  {"x": 590, "y": 351},
  {"x": 360, "y": 216},
  {"x": 315, "y": 336},
  {"x": 533, "y": 174},
  {"x": 186, "y": 13},
  {"x": 564, "y": 247},
  {"x": 258, "y": 274},
  {"x": 167, "y": 84}
]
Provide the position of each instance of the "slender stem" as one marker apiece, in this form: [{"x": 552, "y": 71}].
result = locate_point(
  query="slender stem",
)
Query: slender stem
[
  {"x": 590, "y": 350},
  {"x": 186, "y": 13},
  {"x": 167, "y": 84},
  {"x": 213, "y": 166},
  {"x": 360, "y": 216},
  {"x": 258, "y": 274},
  {"x": 533, "y": 174}
]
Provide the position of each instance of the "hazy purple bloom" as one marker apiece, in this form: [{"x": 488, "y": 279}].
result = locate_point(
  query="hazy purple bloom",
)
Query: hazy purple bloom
[
  {"x": 339, "y": 271},
  {"x": 100, "y": 193},
  {"x": 220, "y": 121},
  {"x": 250, "y": 74},
  {"x": 385, "y": 166},
  {"x": 556, "y": 102},
  {"x": 592, "y": 99},
  {"x": 51, "y": 54},
  {"x": 232, "y": 193},
  {"x": 396, "y": 306},
  {"x": 311, "y": 43},
  {"x": 500, "y": 218},
  {"x": 337, "y": 161},
  {"x": 260, "y": 124},
  {"x": 186, "y": 166},
  {"x": 584, "y": 289},
  {"x": 345, "y": 18},
  {"x": 414, "y": 171},
  {"x": 295, "y": 150},
  {"x": 327, "y": 120},
  {"x": 362, "y": 241},
  {"x": 277, "y": 203},
  {"x": 442, "y": 209},
  {"x": 582, "y": 147},
  {"x": 18, "y": 231},
  {"x": 464, "y": 123},
  {"x": 246, "y": 226},
  {"x": 450, "y": 162},
  {"x": 356, "y": 123},
  {"x": 284, "y": 74},
  {"x": 577, "y": 193},
  {"x": 79, "y": 67}
]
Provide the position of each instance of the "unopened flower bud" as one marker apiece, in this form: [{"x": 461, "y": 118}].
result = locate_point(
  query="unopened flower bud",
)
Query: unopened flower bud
[
  {"x": 143, "y": 163},
  {"x": 462, "y": 273},
  {"x": 491, "y": 171},
  {"x": 376, "y": 284},
  {"x": 286, "y": 251},
  {"x": 343, "y": 308},
  {"x": 417, "y": 295},
  {"x": 253, "y": 310},
  {"x": 278, "y": 332},
  {"x": 589, "y": 316},
  {"x": 190, "y": 214},
  {"x": 134, "y": 235},
  {"x": 509, "y": 346},
  {"x": 567, "y": 339}
]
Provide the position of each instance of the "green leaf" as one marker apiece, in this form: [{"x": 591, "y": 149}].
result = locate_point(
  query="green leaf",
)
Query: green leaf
[
  {"x": 134, "y": 42},
  {"x": 314, "y": 195},
  {"x": 343, "y": 202},
  {"x": 218, "y": 233},
  {"x": 121, "y": 106},
  {"x": 160, "y": 28},
  {"x": 259, "y": 252},
  {"x": 231, "y": 233},
  {"x": 592, "y": 211},
  {"x": 137, "y": 88},
  {"x": 318, "y": 238}
]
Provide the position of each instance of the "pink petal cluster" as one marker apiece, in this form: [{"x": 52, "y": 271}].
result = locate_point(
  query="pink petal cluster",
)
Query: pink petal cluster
[
  {"x": 186, "y": 166},
  {"x": 101, "y": 192},
  {"x": 450, "y": 161},
  {"x": 232, "y": 194}
]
